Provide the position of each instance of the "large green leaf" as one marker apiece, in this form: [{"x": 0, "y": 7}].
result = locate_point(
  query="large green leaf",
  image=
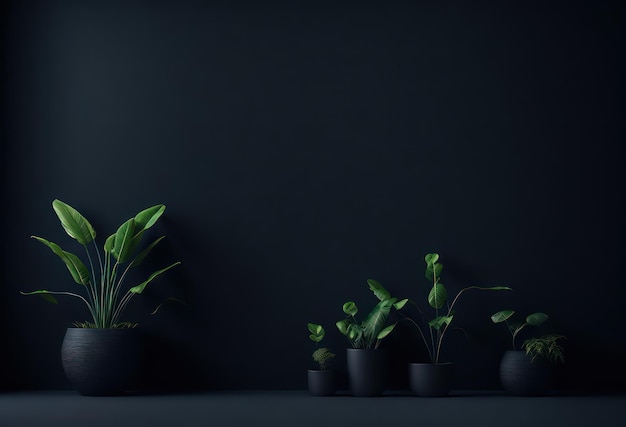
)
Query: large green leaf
[
  {"x": 536, "y": 319},
  {"x": 148, "y": 217},
  {"x": 123, "y": 243},
  {"x": 77, "y": 269},
  {"x": 400, "y": 304},
  {"x": 501, "y": 316},
  {"x": 139, "y": 288},
  {"x": 437, "y": 296},
  {"x": 75, "y": 225},
  {"x": 375, "y": 320},
  {"x": 380, "y": 292}
]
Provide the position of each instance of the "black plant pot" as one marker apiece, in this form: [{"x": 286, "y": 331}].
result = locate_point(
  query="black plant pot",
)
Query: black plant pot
[
  {"x": 430, "y": 380},
  {"x": 522, "y": 377},
  {"x": 321, "y": 383},
  {"x": 101, "y": 362},
  {"x": 367, "y": 371}
]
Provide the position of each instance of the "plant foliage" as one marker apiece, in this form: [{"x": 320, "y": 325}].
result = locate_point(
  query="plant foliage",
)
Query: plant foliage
[
  {"x": 322, "y": 355},
  {"x": 368, "y": 333},
  {"x": 443, "y": 310},
  {"x": 547, "y": 347},
  {"x": 105, "y": 298},
  {"x": 534, "y": 319}
]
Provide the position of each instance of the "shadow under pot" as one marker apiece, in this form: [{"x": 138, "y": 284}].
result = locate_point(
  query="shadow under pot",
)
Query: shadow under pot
[
  {"x": 101, "y": 362},
  {"x": 367, "y": 371},
  {"x": 521, "y": 376},
  {"x": 430, "y": 380},
  {"x": 321, "y": 382}
]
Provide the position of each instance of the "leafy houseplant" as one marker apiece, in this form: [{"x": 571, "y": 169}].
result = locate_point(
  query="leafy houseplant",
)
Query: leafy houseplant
[
  {"x": 434, "y": 379},
  {"x": 104, "y": 298},
  {"x": 321, "y": 355},
  {"x": 366, "y": 362},
  {"x": 321, "y": 381},
  {"x": 528, "y": 371},
  {"x": 101, "y": 356},
  {"x": 369, "y": 333}
]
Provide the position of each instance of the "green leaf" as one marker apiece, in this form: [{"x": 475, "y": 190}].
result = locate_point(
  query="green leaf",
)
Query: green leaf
[
  {"x": 315, "y": 338},
  {"x": 74, "y": 224},
  {"x": 380, "y": 292},
  {"x": 375, "y": 320},
  {"x": 342, "y": 325},
  {"x": 148, "y": 217},
  {"x": 77, "y": 269},
  {"x": 438, "y": 322},
  {"x": 437, "y": 296},
  {"x": 431, "y": 258},
  {"x": 400, "y": 304},
  {"x": 350, "y": 308},
  {"x": 139, "y": 288},
  {"x": 536, "y": 319},
  {"x": 109, "y": 243},
  {"x": 497, "y": 288},
  {"x": 382, "y": 334},
  {"x": 315, "y": 328},
  {"x": 501, "y": 316},
  {"x": 438, "y": 268},
  {"x": 122, "y": 246},
  {"x": 43, "y": 294}
]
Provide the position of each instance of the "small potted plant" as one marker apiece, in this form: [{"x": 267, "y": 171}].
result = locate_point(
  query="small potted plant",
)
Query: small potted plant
[
  {"x": 100, "y": 356},
  {"x": 367, "y": 363},
  {"x": 321, "y": 381},
  {"x": 434, "y": 379},
  {"x": 528, "y": 371}
]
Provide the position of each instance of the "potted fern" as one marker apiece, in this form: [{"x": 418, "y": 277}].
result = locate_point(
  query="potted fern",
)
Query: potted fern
[
  {"x": 435, "y": 378},
  {"x": 100, "y": 355},
  {"x": 367, "y": 363},
  {"x": 321, "y": 381},
  {"x": 528, "y": 371}
]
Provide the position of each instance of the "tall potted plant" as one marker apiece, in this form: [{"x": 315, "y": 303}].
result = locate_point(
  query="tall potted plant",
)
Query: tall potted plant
[
  {"x": 528, "y": 371},
  {"x": 100, "y": 355},
  {"x": 321, "y": 381},
  {"x": 435, "y": 378},
  {"x": 367, "y": 363}
]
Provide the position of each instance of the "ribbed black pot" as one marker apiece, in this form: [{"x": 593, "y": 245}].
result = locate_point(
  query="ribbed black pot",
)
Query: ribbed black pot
[
  {"x": 101, "y": 362},
  {"x": 321, "y": 383},
  {"x": 522, "y": 377},
  {"x": 367, "y": 371},
  {"x": 430, "y": 380}
]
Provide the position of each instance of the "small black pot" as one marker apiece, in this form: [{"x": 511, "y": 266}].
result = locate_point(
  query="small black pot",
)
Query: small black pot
[
  {"x": 101, "y": 362},
  {"x": 321, "y": 383},
  {"x": 367, "y": 371},
  {"x": 430, "y": 380},
  {"x": 520, "y": 376}
]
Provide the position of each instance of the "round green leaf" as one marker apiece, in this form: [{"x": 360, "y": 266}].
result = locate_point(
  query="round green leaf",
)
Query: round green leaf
[
  {"x": 350, "y": 308},
  {"x": 536, "y": 319},
  {"x": 437, "y": 296},
  {"x": 431, "y": 258}
]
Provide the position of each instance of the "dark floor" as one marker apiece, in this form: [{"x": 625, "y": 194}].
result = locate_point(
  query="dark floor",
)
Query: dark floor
[{"x": 299, "y": 409}]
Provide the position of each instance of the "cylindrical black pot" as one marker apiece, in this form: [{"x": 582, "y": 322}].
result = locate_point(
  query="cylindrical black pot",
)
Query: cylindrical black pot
[
  {"x": 430, "y": 380},
  {"x": 522, "y": 377},
  {"x": 101, "y": 362},
  {"x": 367, "y": 371},
  {"x": 321, "y": 383}
]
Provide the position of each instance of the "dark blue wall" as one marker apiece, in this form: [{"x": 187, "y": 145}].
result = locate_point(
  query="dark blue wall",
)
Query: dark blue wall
[{"x": 302, "y": 148}]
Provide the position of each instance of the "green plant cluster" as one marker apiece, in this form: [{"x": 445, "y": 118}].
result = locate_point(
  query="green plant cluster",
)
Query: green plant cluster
[{"x": 322, "y": 355}]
